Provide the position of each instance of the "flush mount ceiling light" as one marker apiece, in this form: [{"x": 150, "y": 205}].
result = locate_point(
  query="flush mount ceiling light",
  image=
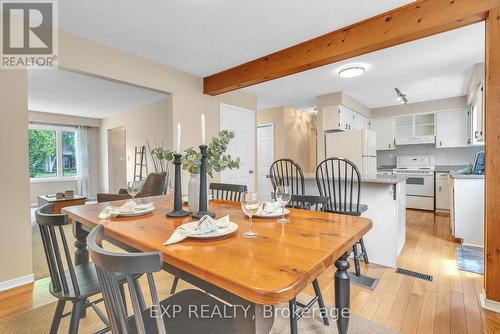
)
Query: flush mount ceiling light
[
  {"x": 351, "y": 71},
  {"x": 400, "y": 96}
]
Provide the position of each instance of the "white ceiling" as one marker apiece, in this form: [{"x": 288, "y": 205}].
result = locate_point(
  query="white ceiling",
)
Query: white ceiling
[
  {"x": 204, "y": 37},
  {"x": 68, "y": 93},
  {"x": 436, "y": 67}
]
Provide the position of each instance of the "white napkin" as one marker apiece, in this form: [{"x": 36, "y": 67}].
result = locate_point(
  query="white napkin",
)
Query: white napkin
[
  {"x": 205, "y": 225},
  {"x": 269, "y": 208},
  {"x": 129, "y": 206}
]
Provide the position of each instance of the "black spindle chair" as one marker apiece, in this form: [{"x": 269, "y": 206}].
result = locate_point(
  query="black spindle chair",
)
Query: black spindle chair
[
  {"x": 286, "y": 172},
  {"x": 149, "y": 319},
  {"x": 224, "y": 191},
  {"x": 69, "y": 283},
  {"x": 312, "y": 203},
  {"x": 340, "y": 180}
]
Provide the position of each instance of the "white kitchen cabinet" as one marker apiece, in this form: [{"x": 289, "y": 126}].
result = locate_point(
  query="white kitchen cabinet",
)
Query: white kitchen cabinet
[
  {"x": 478, "y": 116},
  {"x": 415, "y": 129},
  {"x": 442, "y": 192},
  {"x": 468, "y": 210},
  {"x": 452, "y": 128},
  {"x": 360, "y": 122},
  {"x": 384, "y": 127},
  {"x": 338, "y": 118}
]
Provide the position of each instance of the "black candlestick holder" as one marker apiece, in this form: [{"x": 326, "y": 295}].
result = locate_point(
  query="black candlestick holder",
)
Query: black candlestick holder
[
  {"x": 203, "y": 210},
  {"x": 177, "y": 212}
]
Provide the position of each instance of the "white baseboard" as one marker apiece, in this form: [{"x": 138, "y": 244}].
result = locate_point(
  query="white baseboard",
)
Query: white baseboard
[
  {"x": 489, "y": 305},
  {"x": 14, "y": 283}
]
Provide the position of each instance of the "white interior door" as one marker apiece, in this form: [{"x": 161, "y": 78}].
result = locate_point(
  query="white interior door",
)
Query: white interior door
[
  {"x": 265, "y": 145},
  {"x": 242, "y": 123}
]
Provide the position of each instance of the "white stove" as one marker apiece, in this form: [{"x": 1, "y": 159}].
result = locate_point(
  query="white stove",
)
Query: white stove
[{"x": 420, "y": 182}]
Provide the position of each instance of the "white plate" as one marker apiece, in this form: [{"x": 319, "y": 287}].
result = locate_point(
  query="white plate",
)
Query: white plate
[
  {"x": 135, "y": 213},
  {"x": 231, "y": 228},
  {"x": 276, "y": 214}
]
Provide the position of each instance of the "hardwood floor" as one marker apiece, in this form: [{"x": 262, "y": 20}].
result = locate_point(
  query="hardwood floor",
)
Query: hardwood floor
[{"x": 448, "y": 304}]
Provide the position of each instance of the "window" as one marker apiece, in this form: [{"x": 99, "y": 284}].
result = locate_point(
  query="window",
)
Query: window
[{"x": 51, "y": 152}]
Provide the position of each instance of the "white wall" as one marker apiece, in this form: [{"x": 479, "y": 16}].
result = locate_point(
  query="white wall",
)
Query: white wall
[
  {"x": 420, "y": 107},
  {"x": 444, "y": 156}
]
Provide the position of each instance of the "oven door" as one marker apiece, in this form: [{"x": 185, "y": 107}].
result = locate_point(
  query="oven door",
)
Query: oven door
[{"x": 420, "y": 184}]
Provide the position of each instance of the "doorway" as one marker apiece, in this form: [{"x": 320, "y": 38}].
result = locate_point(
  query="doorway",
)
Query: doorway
[
  {"x": 242, "y": 123},
  {"x": 117, "y": 164},
  {"x": 265, "y": 149}
]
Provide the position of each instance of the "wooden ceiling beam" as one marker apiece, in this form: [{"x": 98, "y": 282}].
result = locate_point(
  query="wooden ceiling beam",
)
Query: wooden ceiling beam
[{"x": 413, "y": 21}]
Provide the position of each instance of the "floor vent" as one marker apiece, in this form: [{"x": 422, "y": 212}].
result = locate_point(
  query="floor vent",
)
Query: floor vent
[{"x": 415, "y": 274}]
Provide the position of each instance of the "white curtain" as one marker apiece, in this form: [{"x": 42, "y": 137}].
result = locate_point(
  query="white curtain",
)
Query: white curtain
[{"x": 82, "y": 159}]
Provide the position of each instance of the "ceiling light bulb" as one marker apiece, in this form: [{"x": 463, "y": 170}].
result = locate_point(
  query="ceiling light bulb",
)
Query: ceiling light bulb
[
  {"x": 399, "y": 98},
  {"x": 351, "y": 71}
]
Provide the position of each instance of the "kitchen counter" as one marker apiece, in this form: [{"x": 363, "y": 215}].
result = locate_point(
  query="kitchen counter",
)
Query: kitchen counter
[
  {"x": 449, "y": 168},
  {"x": 466, "y": 176},
  {"x": 387, "y": 179}
]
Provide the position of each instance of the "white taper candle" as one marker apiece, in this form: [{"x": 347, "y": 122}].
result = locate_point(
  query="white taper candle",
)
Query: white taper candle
[
  {"x": 202, "y": 129},
  {"x": 178, "y": 143}
]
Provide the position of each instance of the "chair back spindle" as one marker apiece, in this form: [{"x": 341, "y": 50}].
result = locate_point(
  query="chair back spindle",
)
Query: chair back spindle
[
  {"x": 307, "y": 202},
  {"x": 51, "y": 224},
  {"x": 286, "y": 172},
  {"x": 130, "y": 264},
  {"x": 226, "y": 191},
  {"x": 339, "y": 180}
]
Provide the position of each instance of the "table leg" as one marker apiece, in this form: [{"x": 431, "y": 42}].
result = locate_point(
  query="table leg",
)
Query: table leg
[
  {"x": 81, "y": 252},
  {"x": 342, "y": 293}
]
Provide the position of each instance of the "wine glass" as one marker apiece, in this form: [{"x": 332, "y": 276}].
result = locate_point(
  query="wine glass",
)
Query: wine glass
[
  {"x": 250, "y": 205},
  {"x": 283, "y": 196},
  {"x": 133, "y": 188}
]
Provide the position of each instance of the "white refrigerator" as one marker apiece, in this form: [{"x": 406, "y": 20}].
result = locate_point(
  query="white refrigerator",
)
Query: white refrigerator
[{"x": 359, "y": 146}]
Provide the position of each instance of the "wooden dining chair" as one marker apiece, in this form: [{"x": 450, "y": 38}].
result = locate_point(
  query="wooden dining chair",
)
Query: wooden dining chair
[
  {"x": 286, "y": 172},
  {"x": 159, "y": 317},
  {"x": 68, "y": 283},
  {"x": 340, "y": 180},
  {"x": 226, "y": 191}
]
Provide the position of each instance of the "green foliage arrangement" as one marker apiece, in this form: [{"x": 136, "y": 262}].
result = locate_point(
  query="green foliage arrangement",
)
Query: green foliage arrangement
[{"x": 217, "y": 159}]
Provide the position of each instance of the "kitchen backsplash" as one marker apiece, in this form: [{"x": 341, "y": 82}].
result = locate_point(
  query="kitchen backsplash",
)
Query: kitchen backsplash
[{"x": 444, "y": 156}]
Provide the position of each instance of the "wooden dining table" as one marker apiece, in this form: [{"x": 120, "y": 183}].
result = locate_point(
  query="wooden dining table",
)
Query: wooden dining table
[{"x": 257, "y": 273}]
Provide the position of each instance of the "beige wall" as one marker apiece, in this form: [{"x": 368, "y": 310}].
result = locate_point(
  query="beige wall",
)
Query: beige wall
[
  {"x": 420, "y": 107},
  {"x": 151, "y": 122},
  {"x": 292, "y": 135},
  {"x": 342, "y": 98},
  {"x": 188, "y": 101},
  {"x": 276, "y": 116},
  {"x": 15, "y": 238}
]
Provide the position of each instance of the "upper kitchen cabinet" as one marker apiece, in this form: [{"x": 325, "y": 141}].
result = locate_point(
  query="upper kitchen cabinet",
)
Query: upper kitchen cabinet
[
  {"x": 477, "y": 115},
  {"x": 384, "y": 127},
  {"x": 415, "y": 129},
  {"x": 360, "y": 122},
  {"x": 338, "y": 118},
  {"x": 452, "y": 128}
]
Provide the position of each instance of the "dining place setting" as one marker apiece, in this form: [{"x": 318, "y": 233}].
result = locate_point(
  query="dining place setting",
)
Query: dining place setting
[{"x": 250, "y": 253}]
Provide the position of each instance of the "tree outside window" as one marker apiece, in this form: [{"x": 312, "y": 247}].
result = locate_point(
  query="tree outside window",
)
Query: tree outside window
[{"x": 51, "y": 152}]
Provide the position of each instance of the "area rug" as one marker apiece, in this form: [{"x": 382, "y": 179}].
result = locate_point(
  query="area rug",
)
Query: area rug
[
  {"x": 39, "y": 319},
  {"x": 40, "y": 268},
  {"x": 471, "y": 259}
]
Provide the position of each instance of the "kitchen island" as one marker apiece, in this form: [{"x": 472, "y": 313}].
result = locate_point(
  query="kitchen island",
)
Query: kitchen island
[{"x": 385, "y": 196}]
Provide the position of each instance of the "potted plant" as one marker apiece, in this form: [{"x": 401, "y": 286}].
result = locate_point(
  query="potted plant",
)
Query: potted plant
[{"x": 217, "y": 161}]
